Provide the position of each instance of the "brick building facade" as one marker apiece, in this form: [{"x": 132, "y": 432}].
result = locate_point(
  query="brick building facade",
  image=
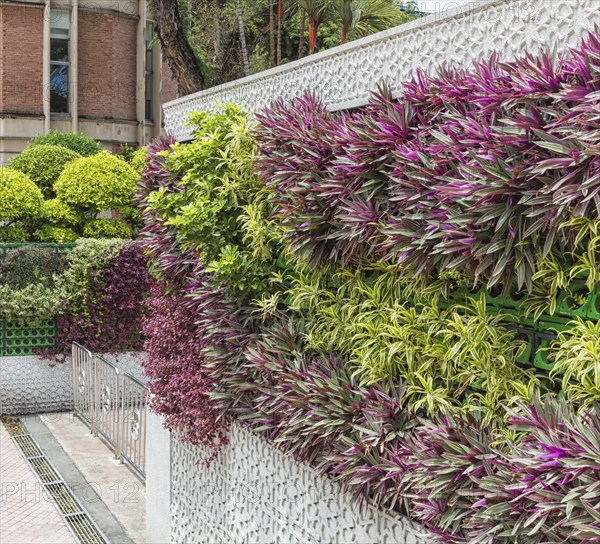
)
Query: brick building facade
[{"x": 88, "y": 66}]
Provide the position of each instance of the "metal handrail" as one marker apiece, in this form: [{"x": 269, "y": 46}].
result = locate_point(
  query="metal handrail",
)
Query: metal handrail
[
  {"x": 83, "y": 383},
  {"x": 107, "y": 387},
  {"x": 112, "y": 404},
  {"x": 134, "y": 395}
]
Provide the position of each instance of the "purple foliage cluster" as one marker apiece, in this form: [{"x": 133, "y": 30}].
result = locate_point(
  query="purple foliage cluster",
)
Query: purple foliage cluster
[
  {"x": 451, "y": 474},
  {"x": 109, "y": 316},
  {"x": 471, "y": 169},
  {"x": 175, "y": 366},
  {"x": 190, "y": 322}
]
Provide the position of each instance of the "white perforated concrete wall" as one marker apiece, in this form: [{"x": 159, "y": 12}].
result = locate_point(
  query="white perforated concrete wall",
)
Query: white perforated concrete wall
[
  {"x": 254, "y": 494},
  {"x": 345, "y": 76},
  {"x": 29, "y": 385}
]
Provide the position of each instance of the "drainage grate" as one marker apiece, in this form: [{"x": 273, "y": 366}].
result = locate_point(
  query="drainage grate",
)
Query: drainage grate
[
  {"x": 84, "y": 529},
  {"x": 44, "y": 470},
  {"x": 28, "y": 446},
  {"x": 63, "y": 497},
  {"x": 78, "y": 520}
]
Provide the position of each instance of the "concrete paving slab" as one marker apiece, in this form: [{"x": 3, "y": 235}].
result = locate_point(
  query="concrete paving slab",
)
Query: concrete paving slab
[
  {"x": 27, "y": 514},
  {"x": 106, "y": 483}
]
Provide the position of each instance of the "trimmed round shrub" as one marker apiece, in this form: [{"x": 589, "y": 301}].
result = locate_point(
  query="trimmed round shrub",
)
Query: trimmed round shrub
[
  {"x": 13, "y": 234},
  {"x": 43, "y": 164},
  {"x": 96, "y": 183},
  {"x": 30, "y": 264},
  {"x": 138, "y": 161},
  {"x": 106, "y": 228},
  {"x": 19, "y": 197},
  {"x": 81, "y": 144},
  {"x": 56, "y": 235},
  {"x": 57, "y": 212}
]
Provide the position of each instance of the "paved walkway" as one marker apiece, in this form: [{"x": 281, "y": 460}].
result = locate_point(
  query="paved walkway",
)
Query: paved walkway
[
  {"x": 115, "y": 484},
  {"x": 27, "y": 515}
]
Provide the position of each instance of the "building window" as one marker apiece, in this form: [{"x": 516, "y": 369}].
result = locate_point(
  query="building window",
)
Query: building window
[
  {"x": 59, "y": 61},
  {"x": 149, "y": 72}
]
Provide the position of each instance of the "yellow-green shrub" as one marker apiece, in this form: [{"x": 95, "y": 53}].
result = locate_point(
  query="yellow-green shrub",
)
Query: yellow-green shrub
[
  {"x": 43, "y": 164},
  {"x": 56, "y": 212},
  {"x": 55, "y": 235},
  {"x": 106, "y": 228},
  {"x": 139, "y": 159},
  {"x": 19, "y": 197},
  {"x": 99, "y": 182}
]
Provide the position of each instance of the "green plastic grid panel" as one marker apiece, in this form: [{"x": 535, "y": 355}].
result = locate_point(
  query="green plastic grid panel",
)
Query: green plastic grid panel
[{"x": 20, "y": 338}]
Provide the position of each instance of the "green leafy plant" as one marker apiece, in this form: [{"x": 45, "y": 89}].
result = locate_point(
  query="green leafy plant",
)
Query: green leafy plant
[
  {"x": 81, "y": 144},
  {"x": 20, "y": 198},
  {"x": 13, "y": 234},
  {"x": 106, "y": 228},
  {"x": 34, "y": 302},
  {"x": 56, "y": 212},
  {"x": 576, "y": 356},
  {"x": 138, "y": 159},
  {"x": 30, "y": 264},
  {"x": 55, "y": 235},
  {"x": 88, "y": 254},
  {"x": 43, "y": 164},
  {"x": 440, "y": 354},
  {"x": 220, "y": 209},
  {"x": 96, "y": 183}
]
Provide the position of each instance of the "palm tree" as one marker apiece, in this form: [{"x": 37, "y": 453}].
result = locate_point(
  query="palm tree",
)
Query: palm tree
[
  {"x": 271, "y": 35},
  {"x": 316, "y": 11},
  {"x": 240, "y": 15},
  {"x": 364, "y": 17}
]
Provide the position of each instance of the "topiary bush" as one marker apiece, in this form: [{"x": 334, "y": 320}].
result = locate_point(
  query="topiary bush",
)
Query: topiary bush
[
  {"x": 138, "y": 160},
  {"x": 81, "y": 144},
  {"x": 13, "y": 234},
  {"x": 20, "y": 198},
  {"x": 56, "y": 235},
  {"x": 96, "y": 183},
  {"x": 106, "y": 228},
  {"x": 56, "y": 212},
  {"x": 43, "y": 164}
]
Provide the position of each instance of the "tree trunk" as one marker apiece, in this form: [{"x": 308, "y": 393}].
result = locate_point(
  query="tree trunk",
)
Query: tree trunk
[
  {"x": 271, "y": 35},
  {"x": 279, "y": 24},
  {"x": 175, "y": 47},
  {"x": 240, "y": 15},
  {"x": 302, "y": 30},
  {"x": 312, "y": 35},
  {"x": 344, "y": 34}
]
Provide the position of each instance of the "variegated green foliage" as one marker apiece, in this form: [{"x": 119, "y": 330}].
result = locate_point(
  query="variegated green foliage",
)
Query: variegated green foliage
[
  {"x": 576, "y": 355},
  {"x": 442, "y": 355}
]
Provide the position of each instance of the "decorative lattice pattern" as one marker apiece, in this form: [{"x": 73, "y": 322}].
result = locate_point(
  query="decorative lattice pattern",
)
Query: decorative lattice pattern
[
  {"x": 253, "y": 494},
  {"x": 344, "y": 76},
  {"x": 30, "y": 385}
]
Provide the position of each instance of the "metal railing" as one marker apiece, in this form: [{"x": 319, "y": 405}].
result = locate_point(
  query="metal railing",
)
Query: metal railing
[
  {"x": 134, "y": 395},
  {"x": 112, "y": 404},
  {"x": 83, "y": 383}
]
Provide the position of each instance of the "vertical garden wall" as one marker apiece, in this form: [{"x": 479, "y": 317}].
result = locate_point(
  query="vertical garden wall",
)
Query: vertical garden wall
[{"x": 401, "y": 296}]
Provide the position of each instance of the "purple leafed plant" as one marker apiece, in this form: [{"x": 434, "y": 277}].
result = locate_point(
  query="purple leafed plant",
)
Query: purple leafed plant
[
  {"x": 475, "y": 169},
  {"x": 109, "y": 317}
]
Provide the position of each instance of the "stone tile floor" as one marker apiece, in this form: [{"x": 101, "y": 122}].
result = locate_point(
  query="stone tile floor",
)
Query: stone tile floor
[{"x": 27, "y": 514}]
